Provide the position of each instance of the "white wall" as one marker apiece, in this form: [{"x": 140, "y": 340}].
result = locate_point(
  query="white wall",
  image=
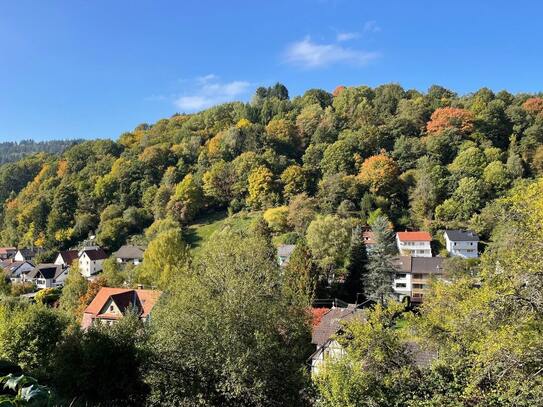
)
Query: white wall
[
  {"x": 467, "y": 250},
  {"x": 414, "y": 248},
  {"x": 89, "y": 267}
]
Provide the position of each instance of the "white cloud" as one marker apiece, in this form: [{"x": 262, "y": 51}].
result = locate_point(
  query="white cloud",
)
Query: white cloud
[
  {"x": 371, "y": 26},
  {"x": 341, "y": 37},
  {"x": 208, "y": 91},
  {"x": 309, "y": 54}
]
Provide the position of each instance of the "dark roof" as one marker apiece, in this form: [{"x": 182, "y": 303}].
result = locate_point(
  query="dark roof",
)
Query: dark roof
[
  {"x": 47, "y": 270},
  {"x": 130, "y": 252},
  {"x": 426, "y": 265},
  {"x": 27, "y": 252},
  {"x": 331, "y": 322},
  {"x": 11, "y": 266},
  {"x": 95, "y": 254},
  {"x": 69, "y": 256},
  {"x": 462, "y": 235}
]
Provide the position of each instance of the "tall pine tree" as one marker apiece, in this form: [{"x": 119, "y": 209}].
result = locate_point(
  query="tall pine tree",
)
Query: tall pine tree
[
  {"x": 356, "y": 268},
  {"x": 378, "y": 281}
]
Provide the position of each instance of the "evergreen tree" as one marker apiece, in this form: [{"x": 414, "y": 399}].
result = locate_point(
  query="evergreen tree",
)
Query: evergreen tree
[
  {"x": 378, "y": 281},
  {"x": 300, "y": 276},
  {"x": 356, "y": 268}
]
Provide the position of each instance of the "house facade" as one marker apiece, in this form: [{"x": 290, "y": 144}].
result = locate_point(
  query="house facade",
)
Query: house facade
[
  {"x": 129, "y": 254},
  {"x": 324, "y": 331},
  {"x": 7, "y": 252},
  {"x": 67, "y": 258},
  {"x": 368, "y": 238},
  {"x": 111, "y": 304},
  {"x": 414, "y": 274},
  {"x": 16, "y": 269},
  {"x": 462, "y": 243},
  {"x": 47, "y": 275},
  {"x": 91, "y": 261},
  {"x": 415, "y": 244}
]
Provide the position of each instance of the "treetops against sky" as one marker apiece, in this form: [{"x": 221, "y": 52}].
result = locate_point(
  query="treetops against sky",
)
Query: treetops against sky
[{"x": 78, "y": 69}]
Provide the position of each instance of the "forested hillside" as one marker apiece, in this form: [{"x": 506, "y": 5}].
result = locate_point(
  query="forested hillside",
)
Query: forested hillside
[
  {"x": 13, "y": 151},
  {"x": 426, "y": 160},
  {"x": 211, "y": 194}
]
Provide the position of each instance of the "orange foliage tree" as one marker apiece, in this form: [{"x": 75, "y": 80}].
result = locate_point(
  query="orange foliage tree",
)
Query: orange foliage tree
[
  {"x": 451, "y": 117},
  {"x": 533, "y": 105},
  {"x": 379, "y": 173}
]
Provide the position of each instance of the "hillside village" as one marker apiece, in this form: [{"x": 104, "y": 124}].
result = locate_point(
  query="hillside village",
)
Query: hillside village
[{"x": 264, "y": 251}]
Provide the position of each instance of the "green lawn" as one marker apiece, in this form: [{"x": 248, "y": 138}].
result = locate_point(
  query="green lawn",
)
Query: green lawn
[{"x": 202, "y": 229}]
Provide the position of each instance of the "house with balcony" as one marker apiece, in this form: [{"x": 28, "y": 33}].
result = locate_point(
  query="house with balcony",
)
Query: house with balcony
[
  {"x": 415, "y": 244},
  {"x": 47, "y": 275},
  {"x": 462, "y": 243},
  {"x": 414, "y": 274}
]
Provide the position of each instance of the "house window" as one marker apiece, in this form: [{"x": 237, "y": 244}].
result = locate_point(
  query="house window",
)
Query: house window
[
  {"x": 471, "y": 243},
  {"x": 400, "y": 285},
  {"x": 111, "y": 307},
  {"x": 400, "y": 275}
]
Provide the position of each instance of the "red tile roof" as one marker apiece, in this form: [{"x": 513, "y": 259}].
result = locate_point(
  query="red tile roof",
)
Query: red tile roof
[
  {"x": 415, "y": 236},
  {"x": 146, "y": 299}
]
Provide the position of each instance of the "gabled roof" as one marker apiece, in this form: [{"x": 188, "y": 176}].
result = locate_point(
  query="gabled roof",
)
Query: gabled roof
[
  {"x": 414, "y": 236},
  {"x": 12, "y": 266},
  {"x": 145, "y": 300},
  {"x": 330, "y": 323},
  {"x": 69, "y": 256},
  {"x": 95, "y": 254},
  {"x": 28, "y": 252},
  {"x": 462, "y": 235},
  {"x": 130, "y": 252},
  {"x": 46, "y": 270}
]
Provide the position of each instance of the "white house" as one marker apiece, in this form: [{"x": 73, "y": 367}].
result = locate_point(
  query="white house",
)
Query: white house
[
  {"x": 15, "y": 269},
  {"x": 91, "y": 261},
  {"x": 26, "y": 254},
  {"x": 462, "y": 243},
  {"x": 47, "y": 275},
  {"x": 415, "y": 244},
  {"x": 129, "y": 254},
  {"x": 67, "y": 258},
  {"x": 414, "y": 274}
]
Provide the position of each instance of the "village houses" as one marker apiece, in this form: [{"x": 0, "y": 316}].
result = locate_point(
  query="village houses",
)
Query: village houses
[
  {"x": 416, "y": 244},
  {"x": 462, "y": 243}
]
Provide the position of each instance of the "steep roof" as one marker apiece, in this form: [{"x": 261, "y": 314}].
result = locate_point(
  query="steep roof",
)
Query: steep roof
[
  {"x": 414, "y": 236},
  {"x": 145, "y": 300},
  {"x": 45, "y": 270},
  {"x": 130, "y": 252},
  {"x": 462, "y": 235},
  {"x": 28, "y": 252},
  {"x": 95, "y": 254},
  {"x": 69, "y": 256},
  {"x": 10, "y": 265},
  {"x": 330, "y": 323}
]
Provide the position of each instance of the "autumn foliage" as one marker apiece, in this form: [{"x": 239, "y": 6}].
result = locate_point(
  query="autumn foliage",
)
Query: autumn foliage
[
  {"x": 338, "y": 90},
  {"x": 533, "y": 105},
  {"x": 451, "y": 117},
  {"x": 379, "y": 172}
]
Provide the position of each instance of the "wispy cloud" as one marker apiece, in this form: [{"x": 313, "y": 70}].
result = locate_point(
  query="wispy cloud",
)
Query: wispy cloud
[
  {"x": 208, "y": 90},
  {"x": 371, "y": 27},
  {"x": 309, "y": 54},
  {"x": 347, "y": 36}
]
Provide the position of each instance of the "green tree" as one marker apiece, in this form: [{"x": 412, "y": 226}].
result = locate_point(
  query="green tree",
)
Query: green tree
[
  {"x": 300, "y": 276},
  {"x": 166, "y": 260},
  {"x": 74, "y": 288},
  {"x": 356, "y": 269},
  {"x": 380, "y": 275},
  {"x": 261, "y": 186},
  {"x": 187, "y": 199},
  {"x": 232, "y": 304}
]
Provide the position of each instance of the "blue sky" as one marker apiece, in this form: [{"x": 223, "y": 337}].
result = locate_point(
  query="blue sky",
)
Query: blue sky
[{"x": 96, "y": 68}]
